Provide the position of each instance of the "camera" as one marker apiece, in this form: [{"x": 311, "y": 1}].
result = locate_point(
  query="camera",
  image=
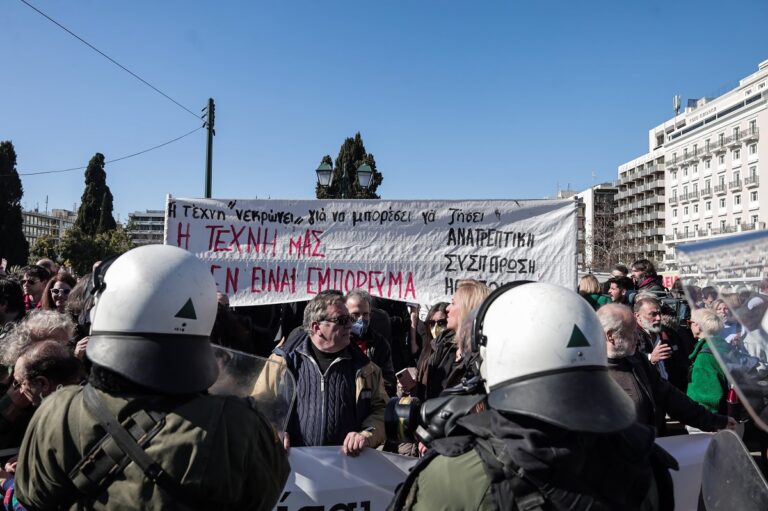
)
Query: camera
[{"x": 407, "y": 419}]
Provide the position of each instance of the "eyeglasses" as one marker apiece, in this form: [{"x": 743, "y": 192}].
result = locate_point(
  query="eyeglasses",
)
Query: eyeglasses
[
  {"x": 344, "y": 320},
  {"x": 31, "y": 282},
  {"x": 56, "y": 291},
  {"x": 438, "y": 322},
  {"x": 16, "y": 384}
]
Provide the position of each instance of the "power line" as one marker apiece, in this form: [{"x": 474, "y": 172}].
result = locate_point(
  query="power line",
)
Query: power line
[
  {"x": 142, "y": 80},
  {"x": 116, "y": 159}
]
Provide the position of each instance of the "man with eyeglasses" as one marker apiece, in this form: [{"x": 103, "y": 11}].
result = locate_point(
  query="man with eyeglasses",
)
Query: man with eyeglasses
[
  {"x": 340, "y": 396},
  {"x": 33, "y": 281},
  {"x": 659, "y": 343}
]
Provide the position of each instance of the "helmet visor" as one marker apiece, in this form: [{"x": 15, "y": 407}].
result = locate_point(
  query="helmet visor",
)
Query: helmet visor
[{"x": 585, "y": 400}]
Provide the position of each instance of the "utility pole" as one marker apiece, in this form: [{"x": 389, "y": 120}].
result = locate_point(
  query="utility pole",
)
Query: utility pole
[{"x": 211, "y": 108}]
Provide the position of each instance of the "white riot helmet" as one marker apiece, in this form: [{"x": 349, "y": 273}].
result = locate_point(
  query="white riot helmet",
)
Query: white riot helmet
[
  {"x": 155, "y": 308},
  {"x": 543, "y": 355}
]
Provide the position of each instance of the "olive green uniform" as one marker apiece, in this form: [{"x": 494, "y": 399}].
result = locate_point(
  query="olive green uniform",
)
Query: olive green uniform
[{"x": 219, "y": 449}]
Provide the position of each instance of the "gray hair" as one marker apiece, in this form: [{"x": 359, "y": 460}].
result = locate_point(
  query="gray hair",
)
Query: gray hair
[
  {"x": 39, "y": 325},
  {"x": 709, "y": 322},
  {"x": 617, "y": 318},
  {"x": 358, "y": 295},
  {"x": 316, "y": 308}
]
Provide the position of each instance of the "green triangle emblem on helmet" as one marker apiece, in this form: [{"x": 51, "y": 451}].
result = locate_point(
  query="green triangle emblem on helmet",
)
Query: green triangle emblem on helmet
[
  {"x": 188, "y": 311},
  {"x": 578, "y": 340}
]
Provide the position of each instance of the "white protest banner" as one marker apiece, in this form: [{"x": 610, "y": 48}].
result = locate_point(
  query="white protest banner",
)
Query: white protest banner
[
  {"x": 276, "y": 251},
  {"x": 324, "y": 479}
]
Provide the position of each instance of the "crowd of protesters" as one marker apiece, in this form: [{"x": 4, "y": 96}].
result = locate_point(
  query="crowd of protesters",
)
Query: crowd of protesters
[{"x": 349, "y": 353}]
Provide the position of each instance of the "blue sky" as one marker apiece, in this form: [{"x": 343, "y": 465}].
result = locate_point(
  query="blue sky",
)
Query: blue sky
[{"x": 456, "y": 100}]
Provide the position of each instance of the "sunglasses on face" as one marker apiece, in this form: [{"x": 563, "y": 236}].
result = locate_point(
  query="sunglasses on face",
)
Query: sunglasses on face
[
  {"x": 56, "y": 291},
  {"x": 438, "y": 322},
  {"x": 340, "y": 320}
]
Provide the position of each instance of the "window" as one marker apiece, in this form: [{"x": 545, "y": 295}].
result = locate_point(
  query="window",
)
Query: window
[
  {"x": 736, "y": 176},
  {"x": 736, "y": 154},
  {"x": 721, "y": 179},
  {"x": 685, "y": 171},
  {"x": 752, "y": 149},
  {"x": 695, "y": 208},
  {"x": 752, "y": 125},
  {"x": 685, "y": 211},
  {"x": 707, "y": 184},
  {"x": 737, "y": 200},
  {"x": 736, "y": 132},
  {"x": 722, "y": 224},
  {"x": 695, "y": 169},
  {"x": 753, "y": 196},
  {"x": 674, "y": 175},
  {"x": 721, "y": 159},
  {"x": 737, "y": 220},
  {"x": 708, "y": 164},
  {"x": 674, "y": 213},
  {"x": 709, "y": 226},
  {"x": 754, "y": 220},
  {"x": 695, "y": 187},
  {"x": 753, "y": 171},
  {"x": 706, "y": 145},
  {"x": 721, "y": 138},
  {"x": 708, "y": 205},
  {"x": 722, "y": 202},
  {"x": 685, "y": 190}
]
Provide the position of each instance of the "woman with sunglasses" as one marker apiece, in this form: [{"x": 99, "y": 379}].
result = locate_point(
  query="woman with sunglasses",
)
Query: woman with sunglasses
[{"x": 57, "y": 292}]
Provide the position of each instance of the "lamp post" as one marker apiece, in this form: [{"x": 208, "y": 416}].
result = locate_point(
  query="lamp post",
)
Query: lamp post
[{"x": 325, "y": 177}]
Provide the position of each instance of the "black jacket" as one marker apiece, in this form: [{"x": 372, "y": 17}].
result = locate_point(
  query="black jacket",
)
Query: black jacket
[
  {"x": 657, "y": 397},
  {"x": 677, "y": 364}
]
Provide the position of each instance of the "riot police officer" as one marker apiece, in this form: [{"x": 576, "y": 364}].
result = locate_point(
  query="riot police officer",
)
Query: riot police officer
[
  {"x": 557, "y": 433},
  {"x": 144, "y": 433}
]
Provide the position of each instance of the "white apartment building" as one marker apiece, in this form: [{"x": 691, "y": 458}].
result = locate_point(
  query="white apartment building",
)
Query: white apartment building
[
  {"x": 639, "y": 231},
  {"x": 146, "y": 228},
  {"x": 596, "y": 228},
  {"x": 36, "y": 224},
  {"x": 702, "y": 177},
  {"x": 717, "y": 166}
]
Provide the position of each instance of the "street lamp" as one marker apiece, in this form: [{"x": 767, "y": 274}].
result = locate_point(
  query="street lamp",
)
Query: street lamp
[{"x": 325, "y": 177}]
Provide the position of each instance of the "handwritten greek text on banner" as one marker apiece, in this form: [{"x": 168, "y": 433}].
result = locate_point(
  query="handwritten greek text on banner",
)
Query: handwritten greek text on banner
[{"x": 274, "y": 251}]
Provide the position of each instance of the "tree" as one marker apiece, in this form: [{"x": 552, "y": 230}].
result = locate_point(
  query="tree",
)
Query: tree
[
  {"x": 80, "y": 250},
  {"x": 352, "y": 154},
  {"x": 13, "y": 245},
  {"x": 95, "y": 213},
  {"x": 45, "y": 247}
]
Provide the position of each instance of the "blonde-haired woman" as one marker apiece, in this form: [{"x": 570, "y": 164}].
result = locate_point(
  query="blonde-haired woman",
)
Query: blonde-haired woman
[
  {"x": 589, "y": 289},
  {"x": 707, "y": 383},
  {"x": 452, "y": 349}
]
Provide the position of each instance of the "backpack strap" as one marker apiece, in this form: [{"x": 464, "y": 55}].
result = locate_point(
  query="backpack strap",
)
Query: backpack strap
[
  {"x": 509, "y": 483},
  {"x": 122, "y": 444}
]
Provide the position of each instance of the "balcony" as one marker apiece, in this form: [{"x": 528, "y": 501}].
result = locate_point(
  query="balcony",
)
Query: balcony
[
  {"x": 692, "y": 196},
  {"x": 720, "y": 189},
  {"x": 706, "y": 192},
  {"x": 719, "y": 147},
  {"x": 751, "y": 181},
  {"x": 735, "y": 186},
  {"x": 733, "y": 141},
  {"x": 751, "y": 135},
  {"x": 673, "y": 200},
  {"x": 685, "y": 198}
]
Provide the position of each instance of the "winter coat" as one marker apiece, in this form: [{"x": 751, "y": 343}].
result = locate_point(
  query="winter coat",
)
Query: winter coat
[
  {"x": 658, "y": 397},
  {"x": 708, "y": 385},
  {"x": 350, "y": 396}
]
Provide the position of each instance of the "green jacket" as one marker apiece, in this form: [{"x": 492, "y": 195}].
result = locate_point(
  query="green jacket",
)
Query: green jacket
[
  {"x": 707, "y": 384},
  {"x": 436, "y": 487},
  {"x": 221, "y": 451}
]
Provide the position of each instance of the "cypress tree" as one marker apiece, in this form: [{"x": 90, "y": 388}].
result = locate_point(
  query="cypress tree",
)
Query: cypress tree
[
  {"x": 352, "y": 154},
  {"x": 95, "y": 213},
  {"x": 13, "y": 244}
]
